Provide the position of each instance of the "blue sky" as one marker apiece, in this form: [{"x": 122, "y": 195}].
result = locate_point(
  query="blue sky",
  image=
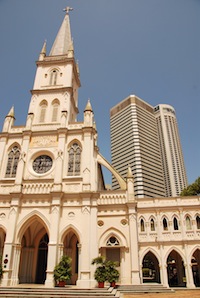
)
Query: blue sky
[{"x": 150, "y": 48}]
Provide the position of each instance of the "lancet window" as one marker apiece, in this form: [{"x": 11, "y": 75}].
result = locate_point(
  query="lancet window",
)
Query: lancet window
[
  {"x": 152, "y": 224},
  {"x": 175, "y": 223},
  {"x": 142, "y": 226},
  {"x": 165, "y": 224},
  {"x": 53, "y": 77},
  {"x": 55, "y": 107},
  {"x": 188, "y": 223},
  {"x": 74, "y": 163},
  {"x": 43, "y": 108},
  {"x": 13, "y": 159},
  {"x": 198, "y": 222}
]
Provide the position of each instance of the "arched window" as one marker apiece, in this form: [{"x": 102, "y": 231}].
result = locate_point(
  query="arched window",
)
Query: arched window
[
  {"x": 175, "y": 223},
  {"x": 74, "y": 163},
  {"x": 152, "y": 224},
  {"x": 165, "y": 225},
  {"x": 53, "y": 77},
  {"x": 188, "y": 223},
  {"x": 142, "y": 227},
  {"x": 198, "y": 222},
  {"x": 55, "y": 106},
  {"x": 13, "y": 159},
  {"x": 43, "y": 108}
]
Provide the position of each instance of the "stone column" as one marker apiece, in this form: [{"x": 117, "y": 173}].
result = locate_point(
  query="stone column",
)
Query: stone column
[
  {"x": 89, "y": 247},
  {"x": 53, "y": 239},
  {"x": 9, "y": 247},
  {"x": 59, "y": 161},
  {"x": 188, "y": 269},
  {"x": 163, "y": 268},
  {"x": 15, "y": 271},
  {"x": 134, "y": 247}
]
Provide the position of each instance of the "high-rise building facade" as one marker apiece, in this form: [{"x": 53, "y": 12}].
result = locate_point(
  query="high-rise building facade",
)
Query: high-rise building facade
[
  {"x": 146, "y": 139},
  {"x": 170, "y": 146}
]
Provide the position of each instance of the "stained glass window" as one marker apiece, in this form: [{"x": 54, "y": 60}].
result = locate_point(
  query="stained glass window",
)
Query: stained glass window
[
  {"x": 13, "y": 159},
  {"x": 74, "y": 162},
  {"x": 42, "y": 164}
]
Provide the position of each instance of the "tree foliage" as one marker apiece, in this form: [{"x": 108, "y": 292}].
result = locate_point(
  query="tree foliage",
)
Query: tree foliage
[
  {"x": 192, "y": 189},
  {"x": 62, "y": 271},
  {"x": 106, "y": 270}
]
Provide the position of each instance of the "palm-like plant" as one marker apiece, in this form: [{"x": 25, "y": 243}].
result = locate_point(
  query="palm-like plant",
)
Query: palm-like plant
[
  {"x": 62, "y": 271},
  {"x": 106, "y": 270},
  {"x": 100, "y": 273}
]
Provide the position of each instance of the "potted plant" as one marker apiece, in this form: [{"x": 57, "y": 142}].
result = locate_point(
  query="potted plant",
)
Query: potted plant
[
  {"x": 63, "y": 271},
  {"x": 100, "y": 273},
  {"x": 112, "y": 272}
]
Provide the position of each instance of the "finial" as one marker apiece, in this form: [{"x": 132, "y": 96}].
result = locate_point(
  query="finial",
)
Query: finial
[{"x": 68, "y": 9}]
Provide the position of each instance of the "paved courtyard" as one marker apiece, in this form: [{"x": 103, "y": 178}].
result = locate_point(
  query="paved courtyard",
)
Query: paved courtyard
[{"x": 177, "y": 294}]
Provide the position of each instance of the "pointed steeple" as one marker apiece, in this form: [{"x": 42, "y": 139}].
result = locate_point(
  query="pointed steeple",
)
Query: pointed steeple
[
  {"x": 63, "y": 41},
  {"x": 11, "y": 113},
  {"x": 43, "y": 51},
  {"x": 88, "y": 115},
  {"x": 129, "y": 173},
  {"x": 88, "y": 106},
  {"x": 9, "y": 120}
]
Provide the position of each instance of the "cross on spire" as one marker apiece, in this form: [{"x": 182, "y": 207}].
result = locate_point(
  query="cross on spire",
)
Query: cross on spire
[{"x": 68, "y": 9}]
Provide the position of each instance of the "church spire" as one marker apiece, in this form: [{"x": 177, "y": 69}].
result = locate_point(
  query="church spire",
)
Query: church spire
[{"x": 63, "y": 41}]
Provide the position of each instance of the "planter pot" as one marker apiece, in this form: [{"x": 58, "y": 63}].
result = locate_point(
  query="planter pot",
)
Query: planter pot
[
  {"x": 61, "y": 283},
  {"x": 101, "y": 284},
  {"x": 113, "y": 284}
]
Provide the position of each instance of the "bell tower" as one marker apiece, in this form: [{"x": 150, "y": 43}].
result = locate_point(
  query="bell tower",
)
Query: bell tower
[{"x": 55, "y": 91}]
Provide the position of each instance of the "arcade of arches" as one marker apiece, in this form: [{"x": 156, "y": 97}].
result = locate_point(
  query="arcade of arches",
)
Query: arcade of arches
[{"x": 34, "y": 257}]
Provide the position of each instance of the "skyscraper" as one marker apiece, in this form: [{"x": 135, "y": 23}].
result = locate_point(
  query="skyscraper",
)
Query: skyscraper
[
  {"x": 170, "y": 146},
  {"x": 134, "y": 143},
  {"x": 147, "y": 139}
]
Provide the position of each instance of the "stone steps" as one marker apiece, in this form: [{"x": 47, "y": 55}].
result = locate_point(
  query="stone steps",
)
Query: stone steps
[
  {"x": 66, "y": 292},
  {"x": 144, "y": 288}
]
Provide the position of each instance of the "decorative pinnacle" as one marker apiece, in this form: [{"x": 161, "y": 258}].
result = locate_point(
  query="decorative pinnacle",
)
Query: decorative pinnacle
[{"x": 68, "y": 9}]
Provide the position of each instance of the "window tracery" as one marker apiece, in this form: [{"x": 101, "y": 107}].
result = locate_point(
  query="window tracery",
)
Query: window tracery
[
  {"x": 74, "y": 162},
  {"x": 112, "y": 241},
  {"x": 13, "y": 159}
]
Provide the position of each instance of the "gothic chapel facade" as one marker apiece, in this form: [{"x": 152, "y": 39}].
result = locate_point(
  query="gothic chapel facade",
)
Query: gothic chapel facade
[{"x": 53, "y": 200}]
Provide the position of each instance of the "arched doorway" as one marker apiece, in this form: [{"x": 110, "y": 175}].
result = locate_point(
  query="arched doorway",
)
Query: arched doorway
[
  {"x": 2, "y": 241},
  {"x": 195, "y": 262},
  {"x": 176, "y": 270},
  {"x": 71, "y": 249},
  {"x": 42, "y": 260},
  {"x": 150, "y": 268},
  {"x": 34, "y": 251}
]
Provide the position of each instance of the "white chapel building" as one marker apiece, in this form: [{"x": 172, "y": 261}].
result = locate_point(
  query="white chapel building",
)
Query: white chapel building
[{"x": 53, "y": 199}]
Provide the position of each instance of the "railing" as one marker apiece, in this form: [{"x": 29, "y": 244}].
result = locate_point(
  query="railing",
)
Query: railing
[{"x": 110, "y": 198}]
